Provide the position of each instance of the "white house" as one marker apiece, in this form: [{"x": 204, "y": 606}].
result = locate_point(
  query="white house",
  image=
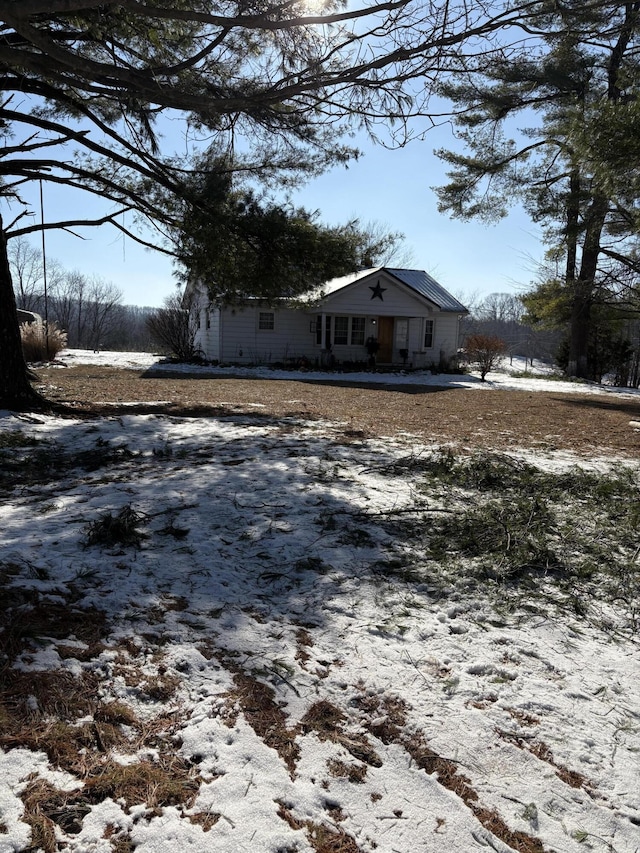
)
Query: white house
[{"x": 414, "y": 320}]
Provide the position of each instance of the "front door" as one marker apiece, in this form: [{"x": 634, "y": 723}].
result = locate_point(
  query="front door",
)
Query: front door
[{"x": 385, "y": 339}]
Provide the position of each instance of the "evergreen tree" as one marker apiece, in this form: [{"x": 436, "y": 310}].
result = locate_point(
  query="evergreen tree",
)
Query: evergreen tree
[
  {"x": 243, "y": 245},
  {"x": 580, "y": 68}
]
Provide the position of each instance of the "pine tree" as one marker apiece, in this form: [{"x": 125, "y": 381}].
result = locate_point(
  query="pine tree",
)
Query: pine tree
[{"x": 579, "y": 68}]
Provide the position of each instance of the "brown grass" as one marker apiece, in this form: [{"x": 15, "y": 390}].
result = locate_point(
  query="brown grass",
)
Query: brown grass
[
  {"x": 206, "y": 820},
  {"x": 353, "y": 772},
  {"x": 593, "y": 424},
  {"x": 26, "y": 620},
  {"x": 40, "y": 345},
  {"x": 445, "y": 770},
  {"x": 304, "y": 642},
  {"x": 541, "y": 751},
  {"x": 326, "y": 720},
  {"x": 169, "y": 782},
  {"x": 323, "y": 839},
  {"x": 570, "y": 777},
  {"x": 264, "y": 715},
  {"x": 520, "y": 841}
]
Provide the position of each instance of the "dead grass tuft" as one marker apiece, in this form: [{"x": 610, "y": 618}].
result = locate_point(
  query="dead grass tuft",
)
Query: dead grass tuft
[
  {"x": 445, "y": 769},
  {"x": 206, "y": 820},
  {"x": 28, "y": 620},
  {"x": 323, "y": 839},
  {"x": 264, "y": 715},
  {"x": 74, "y": 748},
  {"x": 45, "y": 808},
  {"x": 31, "y": 699},
  {"x": 116, "y": 713},
  {"x": 390, "y": 713},
  {"x": 170, "y": 781},
  {"x": 325, "y": 720},
  {"x": 41, "y": 342},
  {"x": 353, "y": 772},
  {"x": 122, "y": 529},
  {"x": 519, "y": 841},
  {"x": 122, "y": 844},
  {"x": 569, "y": 777},
  {"x": 544, "y": 753},
  {"x": 304, "y": 641},
  {"x": 160, "y": 688}
]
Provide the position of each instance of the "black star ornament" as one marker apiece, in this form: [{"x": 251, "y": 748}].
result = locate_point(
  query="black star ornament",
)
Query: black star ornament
[{"x": 377, "y": 291}]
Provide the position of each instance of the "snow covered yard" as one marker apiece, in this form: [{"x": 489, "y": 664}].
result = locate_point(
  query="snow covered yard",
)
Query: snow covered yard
[{"x": 278, "y": 635}]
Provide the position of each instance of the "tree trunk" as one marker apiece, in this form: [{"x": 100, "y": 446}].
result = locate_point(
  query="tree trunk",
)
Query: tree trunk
[
  {"x": 583, "y": 290},
  {"x": 580, "y": 330},
  {"x": 15, "y": 389},
  {"x": 595, "y": 218}
]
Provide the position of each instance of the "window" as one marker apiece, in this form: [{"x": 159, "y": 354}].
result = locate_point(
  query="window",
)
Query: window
[
  {"x": 357, "y": 331},
  {"x": 428, "y": 334},
  {"x": 266, "y": 321},
  {"x": 347, "y": 331},
  {"x": 208, "y": 318},
  {"x": 402, "y": 333},
  {"x": 341, "y": 331}
]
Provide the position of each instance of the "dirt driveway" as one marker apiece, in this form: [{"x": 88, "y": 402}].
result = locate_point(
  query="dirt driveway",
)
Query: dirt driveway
[{"x": 588, "y": 424}]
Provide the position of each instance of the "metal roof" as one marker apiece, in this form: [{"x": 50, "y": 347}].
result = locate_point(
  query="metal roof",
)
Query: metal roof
[
  {"x": 422, "y": 283},
  {"x": 418, "y": 280}
]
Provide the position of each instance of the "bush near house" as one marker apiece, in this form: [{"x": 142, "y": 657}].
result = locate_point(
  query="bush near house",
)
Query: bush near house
[
  {"x": 174, "y": 327},
  {"x": 485, "y": 351},
  {"x": 42, "y": 342}
]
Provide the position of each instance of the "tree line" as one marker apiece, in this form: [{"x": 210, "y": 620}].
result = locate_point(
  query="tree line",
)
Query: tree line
[
  {"x": 532, "y": 327},
  {"x": 88, "y": 309}
]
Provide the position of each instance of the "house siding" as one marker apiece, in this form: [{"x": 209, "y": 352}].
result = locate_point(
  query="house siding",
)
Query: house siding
[
  {"x": 445, "y": 340},
  {"x": 213, "y": 337},
  {"x": 207, "y": 340},
  {"x": 359, "y": 299},
  {"x": 243, "y": 342},
  {"x": 234, "y": 337}
]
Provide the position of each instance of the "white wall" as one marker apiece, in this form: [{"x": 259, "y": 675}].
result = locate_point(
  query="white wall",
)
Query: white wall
[
  {"x": 358, "y": 299},
  {"x": 234, "y": 336},
  {"x": 404, "y": 306},
  {"x": 244, "y": 343},
  {"x": 445, "y": 340}
]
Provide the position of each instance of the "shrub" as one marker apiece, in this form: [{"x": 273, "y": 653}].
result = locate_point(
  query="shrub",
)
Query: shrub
[
  {"x": 42, "y": 342},
  {"x": 174, "y": 327},
  {"x": 486, "y": 351}
]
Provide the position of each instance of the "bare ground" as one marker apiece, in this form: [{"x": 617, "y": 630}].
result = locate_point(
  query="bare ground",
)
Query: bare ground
[{"x": 587, "y": 424}]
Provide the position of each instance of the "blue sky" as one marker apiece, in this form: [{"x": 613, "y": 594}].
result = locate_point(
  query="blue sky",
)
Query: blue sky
[{"x": 392, "y": 187}]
